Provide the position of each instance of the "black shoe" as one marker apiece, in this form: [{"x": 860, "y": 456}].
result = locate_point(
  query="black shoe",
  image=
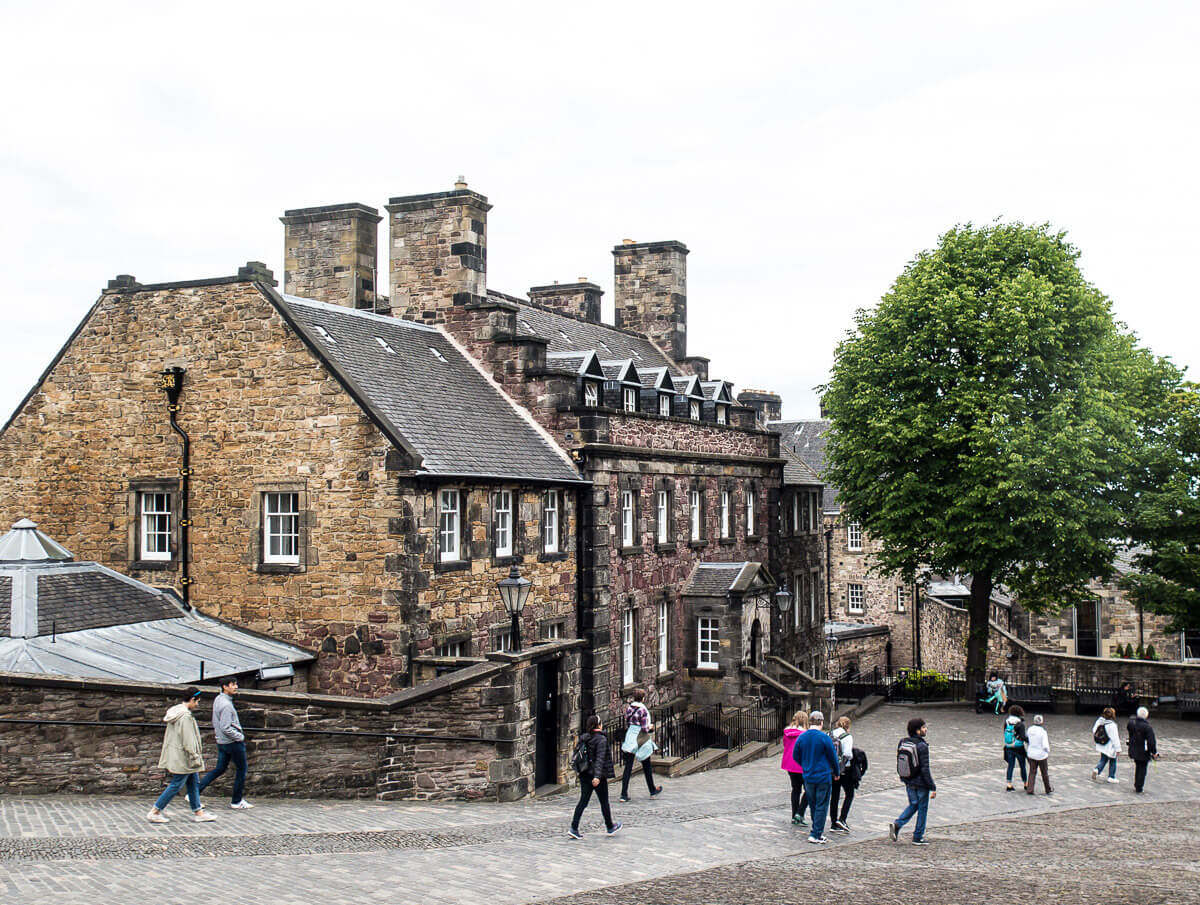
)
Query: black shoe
[
  {"x": 656, "y": 792},
  {"x": 574, "y": 833},
  {"x": 838, "y": 827},
  {"x": 894, "y": 831},
  {"x": 615, "y": 828},
  {"x": 625, "y": 798},
  {"x": 920, "y": 842}
]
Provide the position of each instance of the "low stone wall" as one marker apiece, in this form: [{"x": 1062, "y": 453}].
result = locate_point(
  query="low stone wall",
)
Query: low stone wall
[
  {"x": 866, "y": 652},
  {"x": 105, "y": 736}
]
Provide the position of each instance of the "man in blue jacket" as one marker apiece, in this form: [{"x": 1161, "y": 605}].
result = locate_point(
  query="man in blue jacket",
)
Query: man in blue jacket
[{"x": 815, "y": 752}]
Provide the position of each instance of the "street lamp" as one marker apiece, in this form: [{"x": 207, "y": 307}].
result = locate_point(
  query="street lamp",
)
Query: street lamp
[
  {"x": 831, "y": 643},
  {"x": 514, "y": 591},
  {"x": 783, "y": 600}
]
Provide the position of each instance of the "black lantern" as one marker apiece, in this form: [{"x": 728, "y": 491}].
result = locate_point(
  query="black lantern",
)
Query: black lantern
[{"x": 514, "y": 591}]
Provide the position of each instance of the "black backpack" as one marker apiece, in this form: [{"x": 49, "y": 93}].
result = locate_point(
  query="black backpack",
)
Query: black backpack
[
  {"x": 908, "y": 761},
  {"x": 1100, "y": 736},
  {"x": 581, "y": 757}
]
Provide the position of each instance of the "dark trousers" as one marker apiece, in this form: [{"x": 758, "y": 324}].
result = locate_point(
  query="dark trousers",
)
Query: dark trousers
[
  {"x": 1034, "y": 766},
  {"x": 647, "y": 770},
  {"x": 1015, "y": 756},
  {"x": 236, "y": 752},
  {"x": 1139, "y": 774},
  {"x": 585, "y": 795},
  {"x": 840, "y": 786},
  {"x": 799, "y": 798}
]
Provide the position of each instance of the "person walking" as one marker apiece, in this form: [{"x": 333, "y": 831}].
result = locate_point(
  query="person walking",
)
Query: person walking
[
  {"x": 1143, "y": 746},
  {"x": 595, "y": 778},
  {"x": 794, "y": 771},
  {"x": 637, "y": 721},
  {"x": 1037, "y": 749},
  {"x": 231, "y": 744},
  {"x": 848, "y": 781},
  {"x": 1014, "y": 744},
  {"x": 1108, "y": 743},
  {"x": 918, "y": 782},
  {"x": 182, "y": 758},
  {"x": 817, "y": 756}
]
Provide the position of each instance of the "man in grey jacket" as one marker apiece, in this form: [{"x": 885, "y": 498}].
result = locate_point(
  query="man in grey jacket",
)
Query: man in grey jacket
[{"x": 231, "y": 744}]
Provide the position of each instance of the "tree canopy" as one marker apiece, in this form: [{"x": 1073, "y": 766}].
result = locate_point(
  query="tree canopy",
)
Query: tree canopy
[{"x": 986, "y": 417}]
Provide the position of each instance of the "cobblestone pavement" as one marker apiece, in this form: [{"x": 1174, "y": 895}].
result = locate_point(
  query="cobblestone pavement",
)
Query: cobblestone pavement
[{"x": 712, "y": 824}]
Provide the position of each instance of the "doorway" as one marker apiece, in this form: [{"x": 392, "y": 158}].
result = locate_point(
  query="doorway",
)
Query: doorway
[
  {"x": 756, "y": 644},
  {"x": 1087, "y": 630},
  {"x": 546, "y": 725}
]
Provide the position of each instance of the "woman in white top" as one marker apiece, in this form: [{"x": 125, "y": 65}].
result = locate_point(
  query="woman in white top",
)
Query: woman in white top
[
  {"x": 1037, "y": 749},
  {"x": 1109, "y": 749},
  {"x": 848, "y": 782}
]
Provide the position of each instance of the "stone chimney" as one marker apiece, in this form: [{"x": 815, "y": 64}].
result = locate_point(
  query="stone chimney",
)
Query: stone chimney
[
  {"x": 331, "y": 254},
  {"x": 651, "y": 292},
  {"x": 581, "y": 298},
  {"x": 438, "y": 252},
  {"x": 767, "y": 406}
]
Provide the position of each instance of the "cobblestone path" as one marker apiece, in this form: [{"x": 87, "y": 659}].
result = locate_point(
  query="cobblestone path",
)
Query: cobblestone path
[{"x": 721, "y": 836}]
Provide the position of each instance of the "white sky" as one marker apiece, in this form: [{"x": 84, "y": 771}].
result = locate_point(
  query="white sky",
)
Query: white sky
[{"x": 803, "y": 152}]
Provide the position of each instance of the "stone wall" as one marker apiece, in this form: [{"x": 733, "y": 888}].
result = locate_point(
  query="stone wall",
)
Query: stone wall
[
  {"x": 1119, "y": 620},
  {"x": 861, "y": 655},
  {"x": 650, "y": 292},
  {"x": 350, "y": 756},
  {"x": 943, "y": 636},
  {"x": 331, "y": 254}
]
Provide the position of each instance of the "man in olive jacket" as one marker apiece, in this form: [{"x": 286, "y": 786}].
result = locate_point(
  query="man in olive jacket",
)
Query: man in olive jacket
[{"x": 181, "y": 757}]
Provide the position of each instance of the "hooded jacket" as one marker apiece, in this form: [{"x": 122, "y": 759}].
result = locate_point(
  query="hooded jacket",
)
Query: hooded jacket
[
  {"x": 181, "y": 751},
  {"x": 787, "y": 761},
  {"x": 1113, "y": 748}
]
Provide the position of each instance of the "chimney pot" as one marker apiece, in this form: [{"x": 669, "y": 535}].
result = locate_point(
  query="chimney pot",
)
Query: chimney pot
[
  {"x": 627, "y": 242},
  {"x": 460, "y": 184},
  {"x": 258, "y": 271},
  {"x": 122, "y": 281}
]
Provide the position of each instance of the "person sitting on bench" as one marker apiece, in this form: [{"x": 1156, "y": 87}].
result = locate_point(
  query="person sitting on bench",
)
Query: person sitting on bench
[{"x": 997, "y": 692}]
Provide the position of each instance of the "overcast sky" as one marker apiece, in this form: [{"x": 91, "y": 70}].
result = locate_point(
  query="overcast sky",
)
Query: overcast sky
[{"x": 804, "y": 152}]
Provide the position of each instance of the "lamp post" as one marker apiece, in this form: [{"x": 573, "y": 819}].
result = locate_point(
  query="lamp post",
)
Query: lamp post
[
  {"x": 831, "y": 643},
  {"x": 514, "y": 591}
]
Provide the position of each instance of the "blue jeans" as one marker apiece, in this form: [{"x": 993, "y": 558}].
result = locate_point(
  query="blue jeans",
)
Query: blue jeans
[
  {"x": 1014, "y": 756},
  {"x": 236, "y": 752},
  {"x": 918, "y": 803},
  {"x": 177, "y": 780},
  {"x": 1112, "y": 765},
  {"x": 818, "y": 800}
]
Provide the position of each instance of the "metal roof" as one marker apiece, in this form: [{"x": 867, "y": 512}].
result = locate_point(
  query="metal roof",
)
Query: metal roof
[{"x": 25, "y": 543}]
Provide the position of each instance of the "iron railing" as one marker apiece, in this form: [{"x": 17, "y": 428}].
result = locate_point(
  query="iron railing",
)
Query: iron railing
[{"x": 685, "y": 733}]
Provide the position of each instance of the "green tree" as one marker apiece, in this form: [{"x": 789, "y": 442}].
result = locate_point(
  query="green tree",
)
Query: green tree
[
  {"x": 986, "y": 417},
  {"x": 1165, "y": 515}
]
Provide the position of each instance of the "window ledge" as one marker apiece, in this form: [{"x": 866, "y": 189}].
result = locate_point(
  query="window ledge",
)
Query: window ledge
[
  {"x": 631, "y": 551},
  {"x": 454, "y": 565},
  {"x": 753, "y": 538},
  {"x": 665, "y": 676},
  {"x": 154, "y": 565},
  {"x": 511, "y": 560},
  {"x": 697, "y": 544},
  {"x": 665, "y": 548},
  {"x": 707, "y": 672},
  {"x": 727, "y": 541},
  {"x": 279, "y": 568},
  {"x": 553, "y": 557},
  {"x": 630, "y": 687}
]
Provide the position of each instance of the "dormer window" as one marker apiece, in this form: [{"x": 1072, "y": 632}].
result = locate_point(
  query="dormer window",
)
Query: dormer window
[
  {"x": 694, "y": 410},
  {"x": 629, "y": 399},
  {"x": 591, "y": 393},
  {"x": 722, "y": 416},
  {"x": 664, "y": 405}
]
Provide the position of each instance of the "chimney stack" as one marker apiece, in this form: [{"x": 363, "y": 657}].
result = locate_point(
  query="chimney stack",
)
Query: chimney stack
[
  {"x": 581, "y": 298},
  {"x": 767, "y": 406},
  {"x": 651, "y": 292},
  {"x": 331, "y": 254}
]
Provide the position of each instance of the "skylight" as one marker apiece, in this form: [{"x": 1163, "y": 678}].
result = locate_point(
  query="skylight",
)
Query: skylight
[
  {"x": 438, "y": 355},
  {"x": 383, "y": 345},
  {"x": 324, "y": 334}
]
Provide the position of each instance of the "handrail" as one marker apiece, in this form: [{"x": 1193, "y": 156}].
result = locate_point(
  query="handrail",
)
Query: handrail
[
  {"x": 776, "y": 686},
  {"x": 264, "y": 729},
  {"x": 792, "y": 668}
]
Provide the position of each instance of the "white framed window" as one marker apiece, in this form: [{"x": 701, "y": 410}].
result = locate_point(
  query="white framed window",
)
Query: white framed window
[
  {"x": 626, "y": 518},
  {"x": 627, "y": 625},
  {"x": 662, "y": 501},
  {"x": 708, "y": 641},
  {"x": 629, "y": 399},
  {"x": 856, "y": 598},
  {"x": 901, "y": 599},
  {"x": 554, "y": 631},
  {"x": 796, "y": 523},
  {"x": 854, "y": 536},
  {"x": 694, "y": 514},
  {"x": 799, "y": 590},
  {"x": 449, "y": 525},
  {"x": 694, "y": 410},
  {"x": 751, "y": 504},
  {"x": 814, "y": 510},
  {"x": 550, "y": 516},
  {"x": 156, "y": 525},
  {"x": 504, "y": 640},
  {"x": 724, "y": 513},
  {"x": 591, "y": 393},
  {"x": 664, "y": 404},
  {"x": 503, "y": 523},
  {"x": 281, "y": 528},
  {"x": 664, "y": 615},
  {"x": 802, "y": 501},
  {"x": 722, "y": 417},
  {"x": 451, "y": 649},
  {"x": 814, "y": 603}
]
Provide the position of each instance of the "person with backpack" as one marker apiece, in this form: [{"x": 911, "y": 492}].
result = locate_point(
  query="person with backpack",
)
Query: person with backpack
[
  {"x": 912, "y": 766},
  {"x": 1143, "y": 746},
  {"x": 817, "y": 755},
  {"x": 1014, "y": 744},
  {"x": 794, "y": 771},
  {"x": 849, "y": 778},
  {"x": 1108, "y": 743},
  {"x": 637, "y": 721},
  {"x": 1037, "y": 749},
  {"x": 592, "y": 760}
]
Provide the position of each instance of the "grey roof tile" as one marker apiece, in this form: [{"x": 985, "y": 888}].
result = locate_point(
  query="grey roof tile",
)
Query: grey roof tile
[
  {"x": 807, "y": 439},
  {"x": 81, "y": 599},
  {"x": 570, "y": 334},
  {"x": 796, "y": 471}
]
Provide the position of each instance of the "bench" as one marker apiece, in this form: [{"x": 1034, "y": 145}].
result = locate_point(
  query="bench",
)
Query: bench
[
  {"x": 1028, "y": 696},
  {"x": 1094, "y": 699},
  {"x": 1188, "y": 703}
]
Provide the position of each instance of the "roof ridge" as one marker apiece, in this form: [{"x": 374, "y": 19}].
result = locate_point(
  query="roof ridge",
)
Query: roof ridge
[{"x": 358, "y": 312}]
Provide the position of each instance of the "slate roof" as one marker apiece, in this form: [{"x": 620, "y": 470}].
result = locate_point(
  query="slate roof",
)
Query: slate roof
[
  {"x": 569, "y": 334},
  {"x": 718, "y": 579},
  {"x": 75, "y": 600},
  {"x": 652, "y": 378},
  {"x": 432, "y": 398},
  {"x": 619, "y": 370},
  {"x": 807, "y": 440},
  {"x": 795, "y": 471},
  {"x": 569, "y": 361}
]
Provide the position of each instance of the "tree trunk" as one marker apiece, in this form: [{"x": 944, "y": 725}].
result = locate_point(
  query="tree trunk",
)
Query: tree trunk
[{"x": 977, "y": 631}]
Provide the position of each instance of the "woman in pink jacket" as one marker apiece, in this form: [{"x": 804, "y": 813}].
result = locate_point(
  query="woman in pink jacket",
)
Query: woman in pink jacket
[{"x": 795, "y": 773}]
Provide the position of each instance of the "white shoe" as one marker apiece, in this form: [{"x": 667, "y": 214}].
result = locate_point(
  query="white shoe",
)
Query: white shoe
[
  {"x": 242, "y": 805},
  {"x": 158, "y": 817},
  {"x": 203, "y": 817},
  {"x": 1095, "y": 776},
  {"x": 1113, "y": 780}
]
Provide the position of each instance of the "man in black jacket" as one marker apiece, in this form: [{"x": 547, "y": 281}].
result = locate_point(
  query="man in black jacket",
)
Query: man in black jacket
[
  {"x": 1143, "y": 747},
  {"x": 595, "y": 778},
  {"x": 920, "y": 786}
]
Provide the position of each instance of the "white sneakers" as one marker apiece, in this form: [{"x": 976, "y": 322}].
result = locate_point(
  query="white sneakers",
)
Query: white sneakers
[
  {"x": 203, "y": 817},
  {"x": 158, "y": 817},
  {"x": 242, "y": 805},
  {"x": 1113, "y": 780}
]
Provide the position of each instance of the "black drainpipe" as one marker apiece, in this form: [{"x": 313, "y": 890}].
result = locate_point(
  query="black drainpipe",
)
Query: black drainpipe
[
  {"x": 172, "y": 382},
  {"x": 584, "y": 617}
]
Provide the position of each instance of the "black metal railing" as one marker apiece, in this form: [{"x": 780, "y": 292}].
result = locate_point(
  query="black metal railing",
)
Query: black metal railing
[{"x": 685, "y": 733}]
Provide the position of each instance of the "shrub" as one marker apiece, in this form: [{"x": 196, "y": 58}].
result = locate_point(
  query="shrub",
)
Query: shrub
[
  {"x": 926, "y": 683},
  {"x": 1151, "y": 653}
]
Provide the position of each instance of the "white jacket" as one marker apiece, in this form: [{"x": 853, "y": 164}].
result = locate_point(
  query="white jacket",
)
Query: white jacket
[
  {"x": 1113, "y": 748},
  {"x": 1038, "y": 745}
]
